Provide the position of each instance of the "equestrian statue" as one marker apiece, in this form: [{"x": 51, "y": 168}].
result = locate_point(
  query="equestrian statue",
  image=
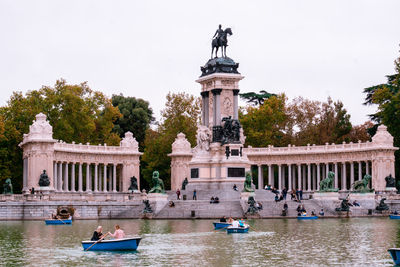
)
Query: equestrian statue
[{"x": 220, "y": 39}]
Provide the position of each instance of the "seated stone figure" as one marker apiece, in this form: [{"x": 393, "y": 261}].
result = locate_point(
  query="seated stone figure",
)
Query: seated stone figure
[
  {"x": 44, "y": 179},
  {"x": 7, "y": 187},
  {"x": 326, "y": 185},
  {"x": 184, "y": 183},
  {"x": 344, "y": 206},
  {"x": 252, "y": 206},
  {"x": 382, "y": 205},
  {"x": 362, "y": 186},
  {"x": 248, "y": 183},
  {"x": 158, "y": 184},
  {"x": 390, "y": 181}
]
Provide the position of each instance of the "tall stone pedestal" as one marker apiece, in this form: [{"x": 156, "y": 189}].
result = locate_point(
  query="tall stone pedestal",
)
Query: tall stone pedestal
[
  {"x": 157, "y": 201},
  {"x": 326, "y": 196}
]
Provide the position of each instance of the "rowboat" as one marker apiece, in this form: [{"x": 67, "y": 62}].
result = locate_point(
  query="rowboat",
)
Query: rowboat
[
  {"x": 58, "y": 221},
  {"x": 307, "y": 217},
  {"x": 220, "y": 225},
  {"x": 123, "y": 244},
  {"x": 394, "y": 217},
  {"x": 231, "y": 230},
  {"x": 395, "y": 253}
]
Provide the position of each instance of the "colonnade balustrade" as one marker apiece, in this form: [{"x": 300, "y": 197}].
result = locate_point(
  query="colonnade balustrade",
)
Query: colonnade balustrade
[
  {"x": 307, "y": 176},
  {"x": 87, "y": 177}
]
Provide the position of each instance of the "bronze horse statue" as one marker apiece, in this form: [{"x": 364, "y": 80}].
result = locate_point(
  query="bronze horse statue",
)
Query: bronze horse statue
[{"x": 222, "y": 42}]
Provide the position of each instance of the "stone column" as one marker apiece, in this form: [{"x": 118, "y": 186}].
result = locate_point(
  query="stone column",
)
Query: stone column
[
  {"x": 96, "y": 180},
  {"x": 367, "y": 167},
  {"x": 284, "y": 177},
  {"x": 260, "y": 178},
  {"x": 308, "y": 177},
  {"x": 289, "y": 177},
  {"x": 55, "y": 179},
  {"x": 235, "y": 104},
  {"x": 109, "y": 179},
  {"x": 105, "y": 178},
  {"x": 80, "y": 177},
  {"x": 299, "y": 176},
  {"x": 359, "y": 170},
  {"x": 87, "y": 178},
  {"x": 270, "y": 176},
  {"x": 336, "y": 176},
  {"x": 351, "y": 174},
  {"x": 66, "y": 183},
  {"x": 114, "y": 177},
  {"x": 73, "y": 177},
  {"x": 326, "y": 170},
  {"x": 205, "y": 115},
  {"x": 318, "y": 175},
  {"x": 304, "y": 184},
  {"x": 217, "y": 106},
  {"x": 344, "y": 176},
  {"x": 279, "y": 176},
  {"x": 60, "y": 182}
]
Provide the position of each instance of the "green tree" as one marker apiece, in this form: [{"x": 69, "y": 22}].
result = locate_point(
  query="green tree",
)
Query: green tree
[
  {"x": 136, "y": 117},
  {"x": 387, "y": 98},
  {"x": 181, "y": 114},
  {"x": 256, "y": 99},
  {"x": 75, "y": 112}
]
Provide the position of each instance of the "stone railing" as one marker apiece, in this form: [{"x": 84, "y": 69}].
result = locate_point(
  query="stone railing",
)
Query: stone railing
[{"x": 92, "y": 149}]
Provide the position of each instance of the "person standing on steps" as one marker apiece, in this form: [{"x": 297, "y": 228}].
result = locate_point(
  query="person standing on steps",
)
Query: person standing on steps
[
  {"x": 194, "y": 195},
  {"x": 178, "y": 193}
]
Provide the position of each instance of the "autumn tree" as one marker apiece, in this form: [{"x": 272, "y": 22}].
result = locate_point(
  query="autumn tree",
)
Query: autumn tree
[
  {"x": 136, "y": 117},
  {"x": 76, "y": 113},
  {"x": 181, "y": 114}
]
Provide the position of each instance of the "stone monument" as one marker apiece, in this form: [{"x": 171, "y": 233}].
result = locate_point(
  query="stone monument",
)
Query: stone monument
[
  {"x": 134, "y": 186},
  {"x": 44, "y": 179},
  {"x": 218, "y": 160},
  {"x": 157, "y": 193},
  {"x": 7, "y": 187},
  {"x": 326, "y": 189}
]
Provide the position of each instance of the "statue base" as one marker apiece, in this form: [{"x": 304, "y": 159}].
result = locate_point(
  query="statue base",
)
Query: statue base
[
  {"x": 390, "y": 190},
  {"x": 382, "y": 212},
  {"x": 45, "y": 190},
  {"x": 326, "y": 195},
  {"x": 362, "y": 196},
  {"x": 158, "y": 200},
  {"x": 245, "y": 195},
  {"x": 344, "y": 214}
]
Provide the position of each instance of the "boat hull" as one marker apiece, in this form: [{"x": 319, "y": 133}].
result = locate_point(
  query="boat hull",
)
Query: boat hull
[
  {"x": 220, "y": 225},
  {"x": 124, "y": 244},
  {"x": 395, "y": 253},
  {"x": 58, "y": 222},
  {"x": 394, "y": 217},
  {"x": 307, "y": 217},
  {"x": 240, "y": 230}
]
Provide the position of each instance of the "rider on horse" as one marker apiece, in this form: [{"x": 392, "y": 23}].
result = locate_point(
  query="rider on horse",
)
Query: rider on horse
[{"x": 219, "y": 33}]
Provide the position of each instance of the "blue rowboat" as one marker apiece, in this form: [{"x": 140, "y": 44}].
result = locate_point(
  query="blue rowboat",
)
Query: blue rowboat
[
  {"x": 307, "y": 217},
  {"x": 395, "y": 253},
  {"x": 220, "y": 225},
  {"x": 123, "y": 244},
  {"x": 394, "y": 217},
  {"x": 231, "y": 230},
  {"x": 58, "y": 222}
]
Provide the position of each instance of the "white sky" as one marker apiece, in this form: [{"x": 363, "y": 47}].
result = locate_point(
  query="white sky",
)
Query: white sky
[{"x": 146, "y": 48}]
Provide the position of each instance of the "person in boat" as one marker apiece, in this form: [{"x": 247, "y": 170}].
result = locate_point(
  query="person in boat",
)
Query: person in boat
[
  {"x": 321, "y": 212},
  {"x": 118, "y": 233},
  {"x": 97, "y": 234},
  {"x": 230, "y": 220},
  {"x": 241, "y": 223},
  {"x": 235, "y": 224},
  {"x": 395, "y": 212},
  {"x": 223, "y": 219}
]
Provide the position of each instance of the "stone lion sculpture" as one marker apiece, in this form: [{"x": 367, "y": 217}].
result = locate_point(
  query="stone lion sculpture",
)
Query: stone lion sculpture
[
  {"x": 248, "y": 183},
  {"x": 362, "y": 186},
  {"x": 158, "y": 184},
  {"x": 326, "y": 185}
]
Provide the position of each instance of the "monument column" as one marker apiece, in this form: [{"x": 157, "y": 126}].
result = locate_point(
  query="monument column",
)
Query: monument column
[
  {"x": 336, "y": 175},
  {"x": 289, "y": 177},
  {"x": 217, "y": 107},
  {"x": 351, "y": 173},
  {"x": 60, "y": 182},
  {"x": 318, "y": 175},
  {"x": 326, "y": 169},
  {"x": 55, "y": 176},
  {"x": 96, "y": 169},
  {"x": 73, "y": 177},
  {"x": 304, "y": 181},
  {"x": 66, "y": 177},
  {"x": 344, "y": 176},
  {"x": 270, "y": 176},
  {"x": 80, "y": 177},
  {"x": 236, "y": 104},
  {"x": 114, "y": 177},
  {"x": 105, "y": 178},
  {"x": 279, "y": 176},
  {"x": 308, "y": 177},
  {"x": 260, "y": 178},
  {"x": 299, "y": 176},
  {"x": 205, "y": 115},
  {"x": 367, "y": 167},
  {"x": 87, "y": 177},
  {"x": 359, "y": 170}
]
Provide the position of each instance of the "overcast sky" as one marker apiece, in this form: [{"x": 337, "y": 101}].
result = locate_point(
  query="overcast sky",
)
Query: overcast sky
[{"x": 147, "y": 48}]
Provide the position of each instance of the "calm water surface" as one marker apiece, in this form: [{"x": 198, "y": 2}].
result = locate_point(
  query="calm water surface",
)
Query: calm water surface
[{"x": 276, "y": 242}]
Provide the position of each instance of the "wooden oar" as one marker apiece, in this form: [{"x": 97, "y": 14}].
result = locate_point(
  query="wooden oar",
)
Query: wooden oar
[
  {"x": 96, "y": 242},
  {"x": 61, "y": 220}
]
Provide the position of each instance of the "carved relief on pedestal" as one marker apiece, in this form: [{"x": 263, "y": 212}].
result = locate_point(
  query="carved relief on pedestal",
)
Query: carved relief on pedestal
[
  {"x": 203, "y": 139},
  {"x": 210, "y": 109}
]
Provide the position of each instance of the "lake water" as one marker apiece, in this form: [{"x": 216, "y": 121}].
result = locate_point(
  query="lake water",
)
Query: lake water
[{"x": 274, "y": 242}]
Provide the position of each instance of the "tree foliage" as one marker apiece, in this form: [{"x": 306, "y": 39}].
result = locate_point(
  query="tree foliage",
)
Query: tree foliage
[
  {"x": 136, "y": 117},
  {"x": 181, "y": 114},
  {"x": 256, "y": 99},
  {"x": 387, "y": 98},
  {"x": 75, "y": 112}
]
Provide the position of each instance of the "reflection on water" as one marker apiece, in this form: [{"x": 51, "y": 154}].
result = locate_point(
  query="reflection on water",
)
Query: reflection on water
[{"x": 275, "y": 242}]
